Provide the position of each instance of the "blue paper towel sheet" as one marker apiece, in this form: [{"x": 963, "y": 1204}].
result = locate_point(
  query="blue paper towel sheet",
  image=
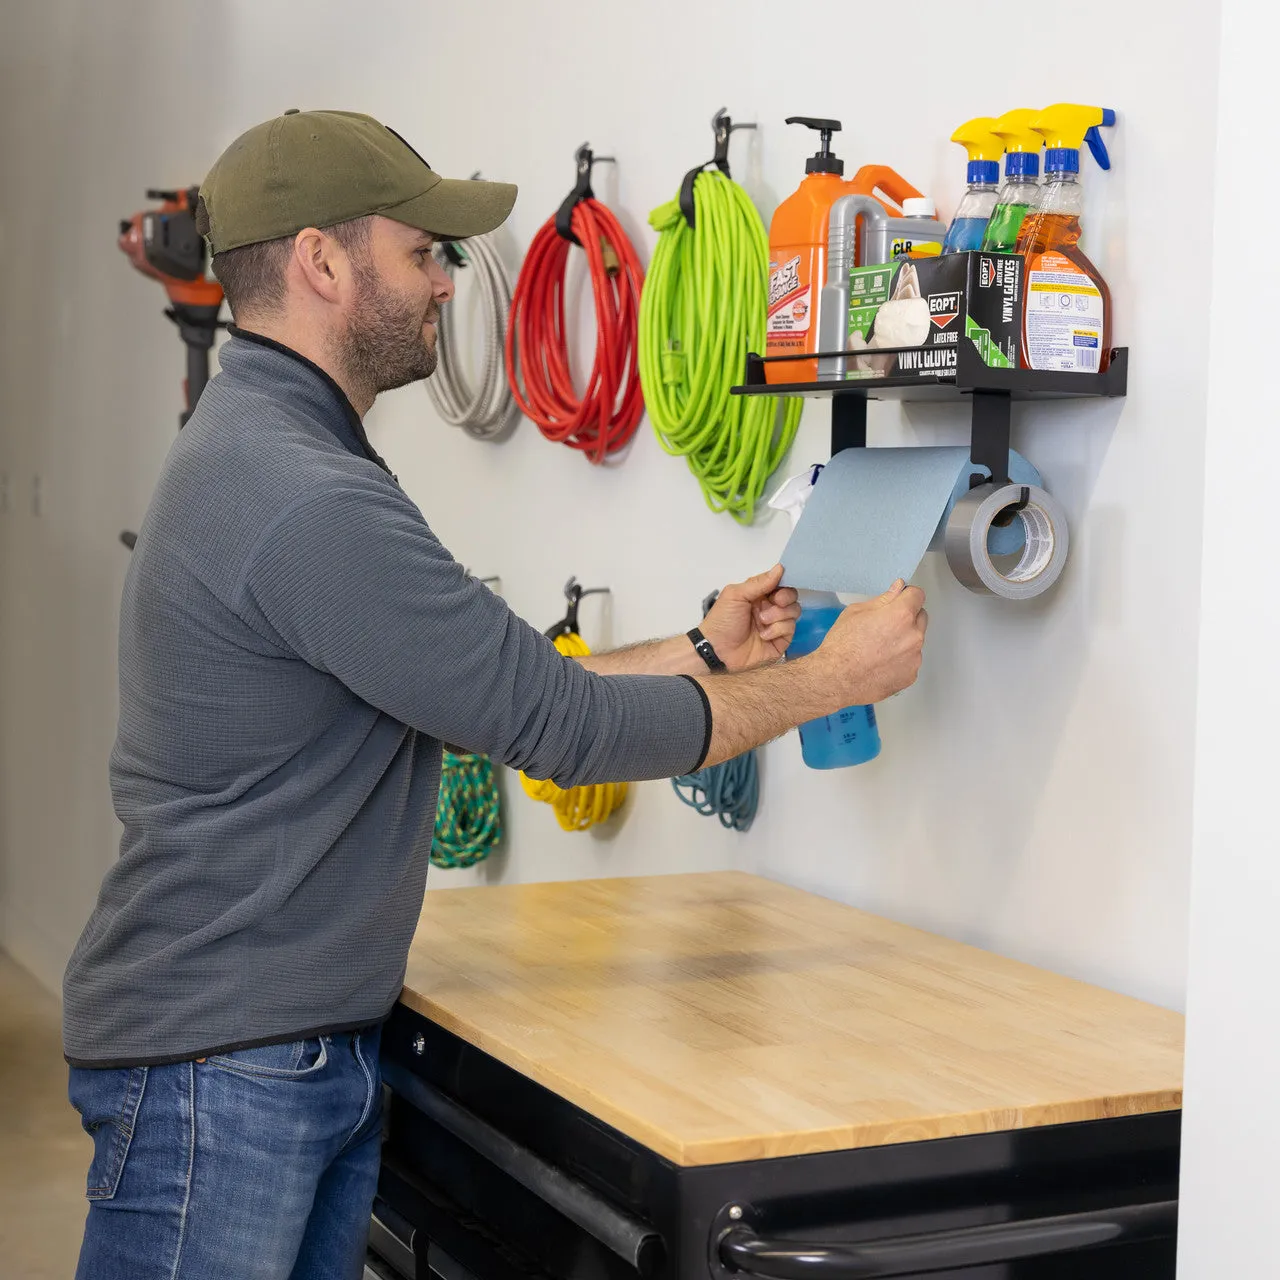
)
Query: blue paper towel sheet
[{"x": 874, "y": 513}]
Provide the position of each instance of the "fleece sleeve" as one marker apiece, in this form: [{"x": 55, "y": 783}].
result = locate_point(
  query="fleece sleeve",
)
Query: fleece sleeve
[{"x": 353, "y": 581}]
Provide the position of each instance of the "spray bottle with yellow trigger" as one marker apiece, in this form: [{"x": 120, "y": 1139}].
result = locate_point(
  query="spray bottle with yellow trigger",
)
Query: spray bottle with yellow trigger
[
  {"x": 984, "y": 150},
  {"x": 1021, "y": 189},
  {"x": 1066, "y": 315}
]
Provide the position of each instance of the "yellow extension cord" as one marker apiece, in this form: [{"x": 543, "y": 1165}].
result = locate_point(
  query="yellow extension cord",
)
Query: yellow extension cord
[{"x": 579, "y": 807}]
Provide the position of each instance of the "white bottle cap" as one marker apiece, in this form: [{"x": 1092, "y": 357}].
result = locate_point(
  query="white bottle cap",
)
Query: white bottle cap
[{"x": 919, "y": 207}]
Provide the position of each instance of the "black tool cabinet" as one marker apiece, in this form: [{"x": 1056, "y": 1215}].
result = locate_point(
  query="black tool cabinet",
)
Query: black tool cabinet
[{"x": 487, "y": 1174}]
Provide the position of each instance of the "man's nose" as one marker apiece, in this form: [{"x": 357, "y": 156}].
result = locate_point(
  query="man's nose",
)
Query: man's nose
[{"x": 441, "y": 283}]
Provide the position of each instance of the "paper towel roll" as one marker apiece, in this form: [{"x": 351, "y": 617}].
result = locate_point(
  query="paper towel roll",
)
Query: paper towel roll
[
  {"x": 874, "y": 513},
  {"x": 1005, "y": 540}
]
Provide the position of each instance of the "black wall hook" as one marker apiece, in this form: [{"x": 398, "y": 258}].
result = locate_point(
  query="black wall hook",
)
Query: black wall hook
[
  {"x": 586, "y": 159},
  {"x": 573, "y": 593},
  {"x": 723, "y": 127}
]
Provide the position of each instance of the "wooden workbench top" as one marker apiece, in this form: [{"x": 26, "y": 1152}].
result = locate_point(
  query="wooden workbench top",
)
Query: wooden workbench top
[{"x": 723, "y": 1017}]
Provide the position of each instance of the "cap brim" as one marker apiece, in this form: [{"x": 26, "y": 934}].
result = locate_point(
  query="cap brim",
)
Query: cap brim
[{"x": 454, "y": 209}]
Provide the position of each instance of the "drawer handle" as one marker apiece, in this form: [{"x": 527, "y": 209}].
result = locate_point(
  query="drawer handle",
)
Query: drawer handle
[
  {"x": 741, "y": 1249},
  {"x": 632, "y": 1240}
]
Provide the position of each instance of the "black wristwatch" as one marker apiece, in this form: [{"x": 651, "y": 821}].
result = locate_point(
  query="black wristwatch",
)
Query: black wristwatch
[{"x": 705, "y": 651}]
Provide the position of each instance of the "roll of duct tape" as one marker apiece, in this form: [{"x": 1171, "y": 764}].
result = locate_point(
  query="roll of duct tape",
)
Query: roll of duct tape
[{"x": 1044, "y": 552}]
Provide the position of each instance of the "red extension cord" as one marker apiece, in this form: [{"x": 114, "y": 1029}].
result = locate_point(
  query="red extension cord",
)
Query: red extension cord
[{"x": 606, "y": 417}]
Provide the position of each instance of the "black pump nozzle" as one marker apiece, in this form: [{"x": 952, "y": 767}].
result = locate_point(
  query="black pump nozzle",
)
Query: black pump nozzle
[{"x": 823, "y": 161}]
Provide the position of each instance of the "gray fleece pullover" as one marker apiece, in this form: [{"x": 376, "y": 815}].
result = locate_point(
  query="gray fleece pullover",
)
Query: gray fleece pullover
[{"x": 295, "y": 645}]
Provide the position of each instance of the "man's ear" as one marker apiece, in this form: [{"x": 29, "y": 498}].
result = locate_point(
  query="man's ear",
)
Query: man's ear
[{"x": 320, "y": 260}]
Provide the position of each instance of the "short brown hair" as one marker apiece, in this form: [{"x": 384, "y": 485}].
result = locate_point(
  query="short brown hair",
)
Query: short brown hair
[{"x": 252, "y": 276}]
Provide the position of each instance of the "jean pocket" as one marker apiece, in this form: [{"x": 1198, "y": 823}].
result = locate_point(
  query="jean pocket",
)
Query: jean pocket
[
  {"x": 108, "y": 1101},
  {"x": 294, "y": 1060}
]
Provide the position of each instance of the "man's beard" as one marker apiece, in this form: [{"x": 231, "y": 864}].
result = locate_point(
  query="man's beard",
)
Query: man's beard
[{"x": 384, "y": 346}]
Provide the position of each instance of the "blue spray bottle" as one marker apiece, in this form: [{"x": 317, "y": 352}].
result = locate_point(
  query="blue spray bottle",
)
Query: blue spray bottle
[
  {"x": 849, "y": 736},
  {"x": 985, "y": 149}
]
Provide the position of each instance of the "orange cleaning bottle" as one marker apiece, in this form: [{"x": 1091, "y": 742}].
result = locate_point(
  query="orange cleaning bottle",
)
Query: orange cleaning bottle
[
  {"x": 1066, "y": 313},
  {"x": 798, "y": 237},
  {"x": 798, "y": 258}
]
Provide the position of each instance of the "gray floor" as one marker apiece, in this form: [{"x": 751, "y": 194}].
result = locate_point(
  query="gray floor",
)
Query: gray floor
[{"x": 44, "y": 1153}]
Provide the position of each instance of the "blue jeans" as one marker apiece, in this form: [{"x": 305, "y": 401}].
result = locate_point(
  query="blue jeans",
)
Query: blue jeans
[{"x": 254, "y": 1165}]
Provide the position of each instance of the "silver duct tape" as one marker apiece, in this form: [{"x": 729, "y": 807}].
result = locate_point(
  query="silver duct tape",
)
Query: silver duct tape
[{"x": 1043, "y": 556}]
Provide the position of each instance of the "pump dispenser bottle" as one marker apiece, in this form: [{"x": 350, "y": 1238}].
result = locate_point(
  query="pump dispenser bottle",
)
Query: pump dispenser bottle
[{"x": 798, "y": 258}]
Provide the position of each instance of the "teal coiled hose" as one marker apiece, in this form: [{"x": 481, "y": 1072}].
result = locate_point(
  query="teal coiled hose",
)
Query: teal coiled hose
[
  {"x": 728, "y": 791},
  {"x": 468, "y": 814}
]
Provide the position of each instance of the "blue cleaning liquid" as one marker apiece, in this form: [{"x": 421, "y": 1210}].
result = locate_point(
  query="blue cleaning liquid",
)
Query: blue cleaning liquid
[
  {"x": 964, "y": 234},
  {"x": 850, "y": 735}
]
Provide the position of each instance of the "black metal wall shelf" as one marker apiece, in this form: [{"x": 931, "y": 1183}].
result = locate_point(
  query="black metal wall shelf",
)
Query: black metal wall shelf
[{"x": 991, "y": 393}]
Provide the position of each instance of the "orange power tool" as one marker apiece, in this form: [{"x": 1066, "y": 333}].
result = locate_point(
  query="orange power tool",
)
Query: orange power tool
[{"x": 164, "y": 244}]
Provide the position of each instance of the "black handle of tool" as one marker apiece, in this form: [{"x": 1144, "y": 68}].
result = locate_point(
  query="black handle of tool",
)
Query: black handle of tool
[
  {"x": 198, "y": 325},
  {"x": 741, "y": 1249},
  {"x": 197, "y": 377},
  {"x": 635, "y": 1242}
]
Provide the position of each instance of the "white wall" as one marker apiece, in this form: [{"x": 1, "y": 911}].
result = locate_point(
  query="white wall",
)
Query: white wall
[
  {"x": 97, "y": 103},
  {"x": 1230, "y": 1130},
  {"x": 1034, "y": 791}
]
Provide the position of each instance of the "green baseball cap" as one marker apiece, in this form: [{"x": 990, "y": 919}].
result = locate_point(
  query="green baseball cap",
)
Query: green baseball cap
[{"x": 316, "y": 168}]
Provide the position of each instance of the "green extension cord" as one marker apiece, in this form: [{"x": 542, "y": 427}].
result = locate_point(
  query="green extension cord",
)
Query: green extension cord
[
  {"x": 468, "y": 815},
  {"x": 702, "y": 309}
]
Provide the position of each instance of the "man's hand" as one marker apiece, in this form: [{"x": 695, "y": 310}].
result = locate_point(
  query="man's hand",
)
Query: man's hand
[
  {"x": 874, "y": 649},
  {"x": 752, "y": 622}
]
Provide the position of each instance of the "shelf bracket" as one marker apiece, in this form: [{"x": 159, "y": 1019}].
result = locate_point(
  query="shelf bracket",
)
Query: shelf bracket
[
  {"x": 848, "y": 422},
  {"x": 989, "y": 439},
  {"x": 989, "y": 431}
]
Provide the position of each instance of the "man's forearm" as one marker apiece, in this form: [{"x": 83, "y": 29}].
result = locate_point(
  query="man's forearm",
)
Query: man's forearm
[
  {"x": 675, "y": 656},
  {"x": 750, "y": 708}
]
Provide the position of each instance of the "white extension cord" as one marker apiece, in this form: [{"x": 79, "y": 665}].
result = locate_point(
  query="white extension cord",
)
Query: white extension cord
[{"x": 483, "y": 412}]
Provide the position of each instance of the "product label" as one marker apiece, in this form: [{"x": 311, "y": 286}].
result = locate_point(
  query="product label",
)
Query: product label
[
  {"x": 912, "y": 315},
  {"x": 944, "y": 308},
  {"x": 987, "y": 347},
  {"x": 1065, "y": 314},
  {"x": 790, "y": 299},
  {"x": 905, "y": 247},
  {"x": 868, "y": 288}
]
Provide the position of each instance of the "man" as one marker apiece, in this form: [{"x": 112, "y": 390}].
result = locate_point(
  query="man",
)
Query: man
[{"x": 295, "y": 646}]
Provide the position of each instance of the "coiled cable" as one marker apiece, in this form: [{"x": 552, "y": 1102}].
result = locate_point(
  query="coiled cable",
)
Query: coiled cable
[
  {"x": 577, "y": 808},
  {"x": 605, "y": 418},
  {"x": 482, "y": 411},
  {"x": 729, "y": 791},
  {"x": 468, "y": 813},
  {"x": 703, "y": 309}
]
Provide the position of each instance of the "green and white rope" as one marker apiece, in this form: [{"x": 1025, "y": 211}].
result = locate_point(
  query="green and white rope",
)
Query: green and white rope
[{"x": 468, "y": 814}]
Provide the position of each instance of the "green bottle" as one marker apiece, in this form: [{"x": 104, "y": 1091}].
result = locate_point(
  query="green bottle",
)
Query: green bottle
[{"x": 1017, "y": 195}]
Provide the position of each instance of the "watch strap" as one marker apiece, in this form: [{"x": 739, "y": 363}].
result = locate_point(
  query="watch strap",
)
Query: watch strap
[{"x": 705, "y": 650}]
